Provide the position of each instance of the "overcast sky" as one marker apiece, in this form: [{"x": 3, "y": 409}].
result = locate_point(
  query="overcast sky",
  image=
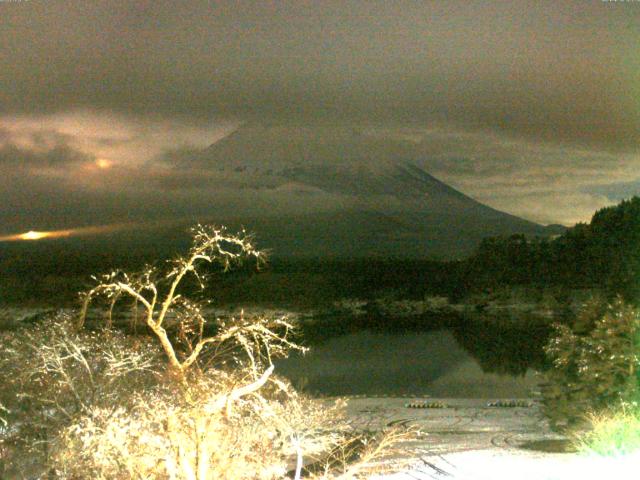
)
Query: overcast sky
[{"x": 530, "y": 107}]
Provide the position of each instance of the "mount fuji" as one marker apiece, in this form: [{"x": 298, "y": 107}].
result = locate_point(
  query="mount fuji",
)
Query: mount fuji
[{"x": 336, "y": 192}]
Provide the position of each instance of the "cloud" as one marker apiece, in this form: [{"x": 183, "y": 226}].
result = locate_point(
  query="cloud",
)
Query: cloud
[
  {"x": 85, "y": 168},
  {"x": 143, "y": 177},
  {"x": 616, "y": 191},
  {"x": 547, "y": 70},
  {"x": 127, "y": 139},
  {"x": 60, "y": 156},
  {"x": 157, "y": 168},
  {"x": 541, "y": 181},
  {"x": 531, "y": 108}
]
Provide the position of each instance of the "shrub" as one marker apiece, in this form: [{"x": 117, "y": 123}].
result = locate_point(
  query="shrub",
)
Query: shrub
[
  {"x": 156, "y": 292},
  {"x": 594, "y": 364},
  {"x": 52, "y": 374},
  {"x": 184, "y": 434}
]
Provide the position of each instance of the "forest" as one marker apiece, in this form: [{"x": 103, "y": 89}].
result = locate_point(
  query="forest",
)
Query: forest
[{"x": 604, "y": 253}]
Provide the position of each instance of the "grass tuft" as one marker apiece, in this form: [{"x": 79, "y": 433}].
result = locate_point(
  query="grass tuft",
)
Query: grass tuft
[{"x": 612, "y": 434}]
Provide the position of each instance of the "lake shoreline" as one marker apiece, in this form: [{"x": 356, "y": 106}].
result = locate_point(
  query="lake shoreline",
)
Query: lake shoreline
[{"x": 467, "y": 438}]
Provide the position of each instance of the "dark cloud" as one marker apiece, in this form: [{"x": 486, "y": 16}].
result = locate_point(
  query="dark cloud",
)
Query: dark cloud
[
  {"x": 14, "y": 157},
  {"x": 182, "y": 157},
  {"x": 64, "y": 186},
  {"x": 559, "y": 71},
  {"x": 174, "y": 180}
]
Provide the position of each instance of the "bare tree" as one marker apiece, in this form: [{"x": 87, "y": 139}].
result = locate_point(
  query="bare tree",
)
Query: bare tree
[{"x": 158, "y": 293}]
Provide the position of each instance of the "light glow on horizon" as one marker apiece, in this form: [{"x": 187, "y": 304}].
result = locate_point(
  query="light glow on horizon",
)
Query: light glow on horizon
[{"x": 33, "y": 235}]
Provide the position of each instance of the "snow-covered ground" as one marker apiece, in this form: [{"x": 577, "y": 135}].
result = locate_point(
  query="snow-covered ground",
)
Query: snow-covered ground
[{"x": 471, "y": 440}]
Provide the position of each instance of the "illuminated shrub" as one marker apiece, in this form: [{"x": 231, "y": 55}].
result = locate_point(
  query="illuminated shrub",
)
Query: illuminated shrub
[
  {"x": 51, "y": 374},
  {"x": 184, "y": 434},
  {"x": 595, "y": 364}
]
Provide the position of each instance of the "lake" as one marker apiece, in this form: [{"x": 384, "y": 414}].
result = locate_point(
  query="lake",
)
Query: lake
[{"x": 413, "y": 364}]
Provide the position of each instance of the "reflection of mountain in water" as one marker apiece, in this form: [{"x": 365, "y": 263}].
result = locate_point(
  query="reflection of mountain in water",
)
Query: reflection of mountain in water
[
  {"x": 504, "y": 347},
  {"x": 414, "y": 364},
  {"x": 375, "y": 363}
]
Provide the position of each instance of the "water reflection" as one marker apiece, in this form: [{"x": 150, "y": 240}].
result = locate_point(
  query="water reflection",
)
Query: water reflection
[
  {"x": 475, "y": 359},
  {"x": 504, "y": 345}
]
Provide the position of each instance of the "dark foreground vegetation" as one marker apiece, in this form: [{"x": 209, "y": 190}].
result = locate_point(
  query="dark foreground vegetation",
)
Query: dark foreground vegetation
[
  {"x": 592, "y": 390},
  {"x": 603, "y": 255},
  {"x": 594, "y": 364}
]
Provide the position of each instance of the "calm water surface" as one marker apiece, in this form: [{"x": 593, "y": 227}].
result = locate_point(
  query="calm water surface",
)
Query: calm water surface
[{"x": 403, "y": 364}]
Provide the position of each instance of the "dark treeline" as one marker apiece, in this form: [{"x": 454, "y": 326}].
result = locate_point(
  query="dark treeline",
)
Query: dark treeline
[
  {"x": 604, "y": 254},
  {"x": 54, "y": 271}
]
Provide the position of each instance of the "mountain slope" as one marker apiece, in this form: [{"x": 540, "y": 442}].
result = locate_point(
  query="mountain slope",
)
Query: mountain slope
[{"x": 329, "y": 191}]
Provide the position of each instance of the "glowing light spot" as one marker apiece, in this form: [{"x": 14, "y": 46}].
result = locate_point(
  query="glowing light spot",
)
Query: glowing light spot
[
  {"x": 82, "y": 231},
  {"x": 78, "y": 232},
  {"x": 31, "y": 235},
  {"x": 104, "y": 163},
  {"x": 34, "y": 235}
]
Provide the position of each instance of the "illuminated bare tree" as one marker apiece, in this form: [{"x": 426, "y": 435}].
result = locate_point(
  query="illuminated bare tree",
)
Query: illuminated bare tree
[{"x": 157, "y": 293}]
